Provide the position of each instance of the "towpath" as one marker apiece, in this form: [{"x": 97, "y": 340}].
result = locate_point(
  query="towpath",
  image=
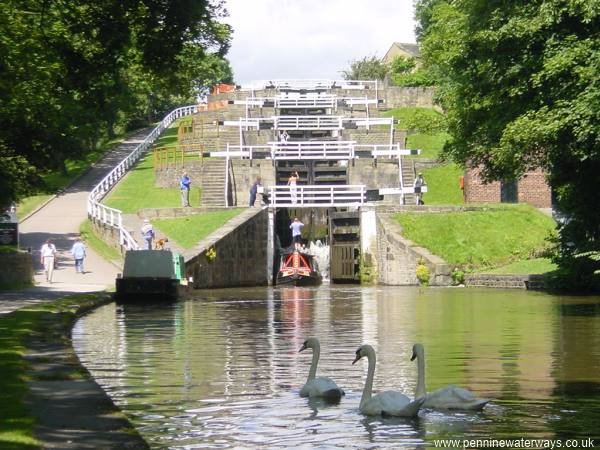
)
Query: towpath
[{"x": 59, "y": 220}]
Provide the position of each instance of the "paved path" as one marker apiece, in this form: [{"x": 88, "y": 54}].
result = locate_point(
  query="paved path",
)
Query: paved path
[{"x": 59, "y": 220}]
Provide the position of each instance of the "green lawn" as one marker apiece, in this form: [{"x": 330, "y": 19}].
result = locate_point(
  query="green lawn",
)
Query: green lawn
[
  {"x": 188, "y": 231},
  {"x": 427, "y": 122},
  {"x": 525, "y": 267},
  {"x": 443, "y": 187},
  {"x": 137, "y": 191},
  {"x": 478, "y": 239}
]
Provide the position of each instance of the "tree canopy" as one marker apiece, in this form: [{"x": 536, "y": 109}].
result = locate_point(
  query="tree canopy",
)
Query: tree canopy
[
  {"x": 71, "y": 71},
  {"x": 520, "y": 81}
]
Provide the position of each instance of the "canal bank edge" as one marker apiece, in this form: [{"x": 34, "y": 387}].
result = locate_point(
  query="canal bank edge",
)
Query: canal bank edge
[{"x": 69, "y": 408}]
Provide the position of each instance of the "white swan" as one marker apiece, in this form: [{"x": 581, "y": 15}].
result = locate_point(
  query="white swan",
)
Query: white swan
[
  {"x": 318, "y": 387},
  {"x": 391, "y": 403},
  {"x": 449, "y": 397}
]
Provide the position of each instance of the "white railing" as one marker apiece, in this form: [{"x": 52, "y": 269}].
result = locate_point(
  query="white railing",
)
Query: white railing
[
  {"x": 321, "y": 101},
  {"x": 309, "y": 84},
  {"x": 319, "y": 196},
  {"x": 111, "y": 216},
  {"x": 312, "y": 150},
  {"x": 309, "y": 122},
  {"x": 305, "y": 101}
]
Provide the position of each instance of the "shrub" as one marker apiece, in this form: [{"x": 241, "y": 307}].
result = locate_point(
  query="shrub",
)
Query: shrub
[
  {"x": 458, "y": 277},
  {"x": 422, "y": 272}
]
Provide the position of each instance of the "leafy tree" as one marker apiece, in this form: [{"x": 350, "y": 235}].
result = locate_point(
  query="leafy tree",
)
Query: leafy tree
[
  {"x": 408, "y": 72},
  {"x": 367, "y": 68},
  {"x": 73, "y": 70},
  {"x": 520, "y": 82}
]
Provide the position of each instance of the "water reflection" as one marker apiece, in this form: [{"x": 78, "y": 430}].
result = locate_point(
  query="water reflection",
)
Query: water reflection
[{"x": 222, "y": 369}]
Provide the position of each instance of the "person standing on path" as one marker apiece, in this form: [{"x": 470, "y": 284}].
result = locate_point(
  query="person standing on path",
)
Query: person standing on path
[
  {"x": 184, "y": 185},
  {"x": 78, "y": 252},
  {"x": 296, "y": 227},
  {"x": 418, "y": 184},
  {"x": 254, "y": 190},
  {"x": 47, "y": 256},
  {"x": 148, "y": 234}
]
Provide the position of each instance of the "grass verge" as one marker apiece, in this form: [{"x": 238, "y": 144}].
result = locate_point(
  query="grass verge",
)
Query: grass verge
[
  {"x": 480, "y": 239},
  {"x": 188, "y": 231},
  {"x": 96, "y": 243},
  {"x": 525, "y": 267},
  {"x": 443, "y": 186},
  {"x": 17, "y": 424}
]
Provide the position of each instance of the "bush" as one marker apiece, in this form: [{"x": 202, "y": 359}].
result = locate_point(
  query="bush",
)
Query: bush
[
  {"x": 422, "y": 273},
  {"x": 458, "y": 277},
  {"x": 367, "y": 273}
]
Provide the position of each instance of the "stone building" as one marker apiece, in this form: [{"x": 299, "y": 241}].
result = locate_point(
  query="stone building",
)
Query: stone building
[
  {"x": 531, "y": 188},
  {"x": 401, "y": 49}
]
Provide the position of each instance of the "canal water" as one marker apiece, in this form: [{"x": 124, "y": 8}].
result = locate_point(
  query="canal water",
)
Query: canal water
[{"x": 221, "y": 369}]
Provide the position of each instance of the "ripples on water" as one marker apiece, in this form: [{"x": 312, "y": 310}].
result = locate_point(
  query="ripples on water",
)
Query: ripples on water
[{"x": 221, "y": 369}]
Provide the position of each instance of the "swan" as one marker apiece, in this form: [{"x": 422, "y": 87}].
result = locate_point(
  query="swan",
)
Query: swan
[
  {"x": 318, "y": 387},
  {"x": 390, "y": 403},
  {"x": 449, "y": 397}
]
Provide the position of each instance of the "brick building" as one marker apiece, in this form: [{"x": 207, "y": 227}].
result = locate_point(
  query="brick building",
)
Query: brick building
[{"x": 531, "y": 188}]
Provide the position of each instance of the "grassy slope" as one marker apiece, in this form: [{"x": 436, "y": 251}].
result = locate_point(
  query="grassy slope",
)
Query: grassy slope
[
  {"x": 525, "y": 267},
  {"x": 188, "y": 231},
  {"x": 479, "y": 239},
  {"x": 96, "y": 243},
  {"x": 443, "y": 185},
  {"x": 137, "y": 189}
]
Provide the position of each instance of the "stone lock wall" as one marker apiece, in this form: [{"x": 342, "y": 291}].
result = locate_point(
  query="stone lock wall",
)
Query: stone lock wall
[
  {"x": 16, "y": 268},
  {"x": 397, "y": 257},
  {"x": 244, "y": 174},
  {"x": 399, "y": 97},
  {"x": 241, "y": 254},
  {"x": 365, "y": 172}
]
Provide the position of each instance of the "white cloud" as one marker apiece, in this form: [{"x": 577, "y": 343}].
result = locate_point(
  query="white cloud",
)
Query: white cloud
[{"x": 312, "y": 38}]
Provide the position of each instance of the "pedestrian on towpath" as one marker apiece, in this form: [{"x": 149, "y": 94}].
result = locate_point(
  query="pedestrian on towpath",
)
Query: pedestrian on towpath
[
  {"x": 78, "y": 252},
  {"x": 147, "y": 234},
  {"x": 184, "y": 185},
  {"x": 47, "y": 257}
]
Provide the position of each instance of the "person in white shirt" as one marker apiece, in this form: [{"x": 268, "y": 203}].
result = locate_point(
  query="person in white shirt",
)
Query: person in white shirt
[
  {"x": 78, "y": 252},
  {"x": 47, "y": 255}
]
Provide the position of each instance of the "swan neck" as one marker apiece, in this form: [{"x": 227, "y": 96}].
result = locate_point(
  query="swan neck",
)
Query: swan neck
[
  {"x": 313, "y": 365},
  {"x": 420, "y": 391},
  {"x": 366, "y": 395}
]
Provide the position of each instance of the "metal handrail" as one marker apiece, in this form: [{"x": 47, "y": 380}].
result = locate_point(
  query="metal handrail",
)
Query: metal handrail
[{"x": 114, "y": 217}]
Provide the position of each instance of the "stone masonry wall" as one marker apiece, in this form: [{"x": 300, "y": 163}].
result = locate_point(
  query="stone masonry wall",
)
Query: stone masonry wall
[
  {"x": 241, "y": 249},
  {"x": 16, "y": 268},
  {"x": 399, "y": 97},
  {"x": 385, "y": 174}
]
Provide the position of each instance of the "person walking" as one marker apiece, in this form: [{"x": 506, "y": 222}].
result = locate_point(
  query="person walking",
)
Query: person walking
[
  {"x": 184, "y": 185},
  {"x": 296, "y": 227},
  {"x": 254, "y": 190},
  {"x": 78, "y": 252},
  {"x": 418, "y": 184},
  {"x": 47, "y": 256},
  {"x": 148, "y": 234}
]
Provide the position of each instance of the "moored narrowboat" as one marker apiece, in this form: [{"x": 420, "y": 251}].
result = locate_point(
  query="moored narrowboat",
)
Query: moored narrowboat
[{"x": 297, "y": 268}]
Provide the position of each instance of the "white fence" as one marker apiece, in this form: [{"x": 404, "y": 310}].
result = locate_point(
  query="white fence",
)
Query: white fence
[
  {"x": 111, "y": 216},
  {"x": 313, "y": 150},
  {"x": 309, "y": 122},
  {"x": 319, "y": 196},
  {"x": 305, "y": 101},
  {"x": 310, "y": 84}
]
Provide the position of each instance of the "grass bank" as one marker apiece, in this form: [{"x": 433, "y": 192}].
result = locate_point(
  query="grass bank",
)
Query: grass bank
[
  {"x": 443, "y": 185},
  {"x": 188, "y": 231},
  {"x": 96, "y": 243},
  {"x": 48, "y": 321},
  {"x": 137, "y": 190},
  {"x": 480, "y": 239}
]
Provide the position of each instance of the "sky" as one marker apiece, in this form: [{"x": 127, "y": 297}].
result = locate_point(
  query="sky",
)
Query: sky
[{"x": 275, "y": 39}]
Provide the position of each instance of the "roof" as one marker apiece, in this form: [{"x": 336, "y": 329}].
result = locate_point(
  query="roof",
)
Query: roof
[{"x": 401, "y": 48}]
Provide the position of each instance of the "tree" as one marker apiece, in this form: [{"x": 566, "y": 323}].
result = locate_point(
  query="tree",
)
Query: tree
[
  {"x": 408, "y": 72},
  {"x": 520, "y": 82},
  {"x": 367, "y": 68}
]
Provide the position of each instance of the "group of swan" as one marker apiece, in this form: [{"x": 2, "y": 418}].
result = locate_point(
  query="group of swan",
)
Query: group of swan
[{"x": 391, "y": 403}]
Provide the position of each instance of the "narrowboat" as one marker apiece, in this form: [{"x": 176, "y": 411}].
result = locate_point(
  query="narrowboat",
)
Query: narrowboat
[{"x": 297, "y": 268}]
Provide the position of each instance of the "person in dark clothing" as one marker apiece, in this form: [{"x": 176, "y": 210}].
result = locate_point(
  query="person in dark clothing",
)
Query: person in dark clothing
[{"x": 253, "y": 190}]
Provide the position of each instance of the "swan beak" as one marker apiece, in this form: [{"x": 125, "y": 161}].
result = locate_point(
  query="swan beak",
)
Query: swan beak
[
  {"x": 304, "y": 347},
  {"x": 356, "y": 359},
  {"x": 414, "y": 355}
]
